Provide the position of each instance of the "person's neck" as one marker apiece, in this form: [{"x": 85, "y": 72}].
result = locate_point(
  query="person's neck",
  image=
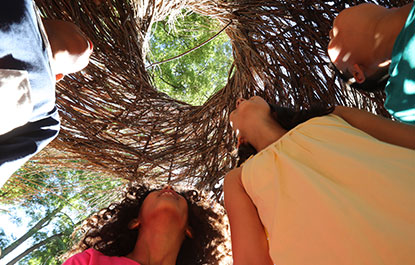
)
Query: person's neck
[
  {"x": 265, "y": 134},
  {"x": 159, "y": 246},
  {"x": 387, "y": 30}
]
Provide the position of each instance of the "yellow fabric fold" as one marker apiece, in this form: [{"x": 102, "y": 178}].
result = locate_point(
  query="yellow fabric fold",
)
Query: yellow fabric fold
[{"x": 328, "y": 193}]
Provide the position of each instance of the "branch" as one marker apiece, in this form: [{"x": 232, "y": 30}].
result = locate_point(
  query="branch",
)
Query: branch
[
  {"x": 189, "y": 51},
  {"x": 42, "y": 223},
  {"x": 165, "y": 81},
  {"x": 32, "y": 248}
]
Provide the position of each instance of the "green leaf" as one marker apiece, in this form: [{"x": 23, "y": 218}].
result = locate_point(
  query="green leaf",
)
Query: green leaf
[{"x": 194, "y": 77}]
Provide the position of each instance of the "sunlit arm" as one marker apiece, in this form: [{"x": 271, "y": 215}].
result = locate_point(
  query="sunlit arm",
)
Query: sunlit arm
[
  {"x": 383, "y": 129},
  {"x": 249, "y": 242}
]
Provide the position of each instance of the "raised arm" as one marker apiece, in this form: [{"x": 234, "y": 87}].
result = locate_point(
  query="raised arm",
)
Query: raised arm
[
  {"x": 249, "y": 241},
  {"x": 383, "y": 129}
]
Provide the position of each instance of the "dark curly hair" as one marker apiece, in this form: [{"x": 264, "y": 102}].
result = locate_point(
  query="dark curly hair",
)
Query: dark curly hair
[
  {"x": 288, "y": 118},
  {"x": 107, "y": 230}
]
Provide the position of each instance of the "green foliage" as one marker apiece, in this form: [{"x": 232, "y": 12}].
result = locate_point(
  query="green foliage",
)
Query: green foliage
[
  {"x": 48, "y": 188},
  {"x": 194, "y": 77},
  {"x": 4, "y": 241},
  {"x": 39, "y": 191}
]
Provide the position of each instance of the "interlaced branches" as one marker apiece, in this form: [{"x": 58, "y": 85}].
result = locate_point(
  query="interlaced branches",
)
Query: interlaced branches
[{"x": 115, "y": 121}]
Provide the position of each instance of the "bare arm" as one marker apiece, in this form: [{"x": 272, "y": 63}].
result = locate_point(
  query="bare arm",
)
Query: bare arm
[
  {"x": 383, "y": 129},
  {"x": 249, "y": 241}
]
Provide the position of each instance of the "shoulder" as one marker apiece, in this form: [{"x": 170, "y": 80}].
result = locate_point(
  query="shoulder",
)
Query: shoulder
[
  {"x": 81, "y": 258},
  {"x": 94, "y": 257},
  {"x": 233, "y": 178},
  {"x": 233, "y": 174},
  {"x": 233, "y": 189}
]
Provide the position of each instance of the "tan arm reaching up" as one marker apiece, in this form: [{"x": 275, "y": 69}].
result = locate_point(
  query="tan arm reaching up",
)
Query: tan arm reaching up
[{"x": 383, "y": 129}]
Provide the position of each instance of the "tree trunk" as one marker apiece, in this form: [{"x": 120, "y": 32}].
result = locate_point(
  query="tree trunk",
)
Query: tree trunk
[
  {"x": 29, "y": 233},
  {"x": 32, "y": 248}
]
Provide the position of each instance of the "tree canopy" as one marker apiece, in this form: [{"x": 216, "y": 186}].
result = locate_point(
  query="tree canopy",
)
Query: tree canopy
[
  {"x": 194, "y": 77},
  {"x": 53, "y": 202}
]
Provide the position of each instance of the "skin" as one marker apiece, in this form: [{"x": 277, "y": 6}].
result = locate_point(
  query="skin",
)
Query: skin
[
  {"x": 255, "y": 110},
  {"x": 71, "y": 48},
  {"x": 362, "y": 39},
  {"x": 253, "y": 123},
  {"x": 249, "y": 241},
  {"x": 163, "y": 225}
]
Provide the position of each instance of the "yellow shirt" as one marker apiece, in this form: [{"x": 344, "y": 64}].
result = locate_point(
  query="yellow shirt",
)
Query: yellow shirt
[{"x": 328, "y": 193}]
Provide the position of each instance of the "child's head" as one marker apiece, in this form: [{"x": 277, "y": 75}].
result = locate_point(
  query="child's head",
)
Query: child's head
[
  {"x": 114, "y": 230},
  {"x": 251, "y": 113}
]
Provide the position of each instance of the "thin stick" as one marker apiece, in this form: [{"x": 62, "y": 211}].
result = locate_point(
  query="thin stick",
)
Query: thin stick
[{"x": 189, "y": 51}]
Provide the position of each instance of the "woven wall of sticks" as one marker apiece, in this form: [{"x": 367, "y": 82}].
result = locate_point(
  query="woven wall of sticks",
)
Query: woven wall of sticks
[{"x": 115, "y": 121}]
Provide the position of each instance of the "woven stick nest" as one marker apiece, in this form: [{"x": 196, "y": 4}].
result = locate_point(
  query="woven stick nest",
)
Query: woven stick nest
[{"x": 115, "y": 121}]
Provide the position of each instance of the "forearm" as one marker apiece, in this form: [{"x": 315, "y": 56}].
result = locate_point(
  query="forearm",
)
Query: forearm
[{"x": 383, "y": 129}]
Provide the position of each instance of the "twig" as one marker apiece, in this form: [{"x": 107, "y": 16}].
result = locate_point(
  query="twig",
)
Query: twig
[{"x": 189, "y": 51}]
